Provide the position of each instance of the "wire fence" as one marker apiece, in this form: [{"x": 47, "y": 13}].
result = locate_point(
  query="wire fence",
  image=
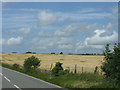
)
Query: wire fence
[{"x": 81, "y": 69}]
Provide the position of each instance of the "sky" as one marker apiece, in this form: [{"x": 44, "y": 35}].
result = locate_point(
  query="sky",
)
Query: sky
[{"x": 68, "y": 27}]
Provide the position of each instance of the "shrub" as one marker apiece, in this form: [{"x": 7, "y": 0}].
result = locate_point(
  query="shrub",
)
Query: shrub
[
  {"x": 111, "y": 66},
  {"x": 31, "y": 63},
  {"x": 58, "y": 67},
  {"x": 16, "y": 66}
]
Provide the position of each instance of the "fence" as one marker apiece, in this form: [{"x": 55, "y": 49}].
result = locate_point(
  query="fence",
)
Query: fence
[
  {"x": 74, "y": 69},
  {"x": 81, "y": 69}
]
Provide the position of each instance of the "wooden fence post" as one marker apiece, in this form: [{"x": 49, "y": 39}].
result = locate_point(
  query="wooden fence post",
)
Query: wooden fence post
[
  {"x": 69, "y": 69},
  {"x": 51, "y": 66},
  {"x": 95, "y": 71},
  {"x": 75, "y": 69}
]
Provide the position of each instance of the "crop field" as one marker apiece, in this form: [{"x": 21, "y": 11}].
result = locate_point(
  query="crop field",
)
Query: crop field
[{"x": 86, "y": 63}]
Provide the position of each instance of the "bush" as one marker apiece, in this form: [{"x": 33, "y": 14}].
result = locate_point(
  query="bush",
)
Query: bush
[
  {"x": 16, "y": 66},
  {"x": 31, "y": 63},
  {"x": 111, "y": 66},
  {"x": 56, "y": 70}
]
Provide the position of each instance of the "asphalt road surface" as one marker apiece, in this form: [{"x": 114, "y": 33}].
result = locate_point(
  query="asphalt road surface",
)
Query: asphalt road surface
[{"x": 19, "y": 81}]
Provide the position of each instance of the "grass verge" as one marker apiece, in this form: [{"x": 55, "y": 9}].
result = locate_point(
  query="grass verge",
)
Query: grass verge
[{"x": 70, "y": 81}]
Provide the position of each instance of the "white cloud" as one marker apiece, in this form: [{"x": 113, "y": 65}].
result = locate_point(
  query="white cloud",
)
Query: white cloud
[
  {"x": 12, "y": 41},
  {"x": 71, "y": 29},
  {"x": 64, "y": 47},
  {"x": 49, "y": 43},
  {"x": 98, "y": 40},
  {"x": 44, "y": 34},
  {"x": 47, "y": 18},
  {"x": 76, "y": 28},
  {"x": 24, "y": 30}
]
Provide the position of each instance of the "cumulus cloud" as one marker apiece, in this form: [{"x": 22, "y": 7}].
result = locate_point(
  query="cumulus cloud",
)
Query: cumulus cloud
[
  {"x": 49, "y": 43},
  {"x": 75, "y": 28},
  {"x": 47, "y": 18},
  {"x": 69, "y": 30},
  {"x": 12, "y": 41},
  {"x": 99, "y": 40}
]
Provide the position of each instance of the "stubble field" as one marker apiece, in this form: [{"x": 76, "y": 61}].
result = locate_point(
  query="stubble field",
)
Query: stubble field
[{"x": 86, "y": 63}]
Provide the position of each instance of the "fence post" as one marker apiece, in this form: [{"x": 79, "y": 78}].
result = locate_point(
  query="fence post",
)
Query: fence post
[
  {"x": 82, "y": 69},
  {"x": 51, "y": 66},
  {"x": 69, "y": 69},
  {"x": 96, "y": 68},
  {"x": 75, "y": 69}
]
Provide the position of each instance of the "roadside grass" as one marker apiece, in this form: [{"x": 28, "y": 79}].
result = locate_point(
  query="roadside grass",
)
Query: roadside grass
[{"x": 70, "y": 81}]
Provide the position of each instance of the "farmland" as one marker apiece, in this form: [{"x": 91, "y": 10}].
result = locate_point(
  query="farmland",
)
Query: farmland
[{"x": 88, "y": 62}]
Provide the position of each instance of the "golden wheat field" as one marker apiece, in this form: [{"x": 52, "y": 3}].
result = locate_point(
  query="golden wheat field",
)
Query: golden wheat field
[{"x": 88, "y": 62}]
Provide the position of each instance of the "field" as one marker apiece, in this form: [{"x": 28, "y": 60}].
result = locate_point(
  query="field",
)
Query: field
[{"x": 88, "y": 62}]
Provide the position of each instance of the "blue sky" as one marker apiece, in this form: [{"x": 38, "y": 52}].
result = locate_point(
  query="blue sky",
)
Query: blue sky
[{"x": 46, "y": 27}]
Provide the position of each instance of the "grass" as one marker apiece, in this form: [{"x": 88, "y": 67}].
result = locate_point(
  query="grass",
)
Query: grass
[{"x": 70, "y": 81}]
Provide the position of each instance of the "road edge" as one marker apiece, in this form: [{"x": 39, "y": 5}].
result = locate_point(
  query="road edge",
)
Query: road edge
[{"x": 33, "y": 77}]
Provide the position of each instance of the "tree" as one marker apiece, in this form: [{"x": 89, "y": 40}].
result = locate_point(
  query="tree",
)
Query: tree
[
  {"x": 111, "y": 65},
  {"x": 31, "y": 63},
  {"x": 61, "y": 52},
  {"x": 56, "y": 70}
]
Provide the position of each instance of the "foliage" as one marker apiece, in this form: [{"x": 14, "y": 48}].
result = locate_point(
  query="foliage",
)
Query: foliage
[
  {"x": 111, "y": 66},
  {"x": 72, "y": 81},
  {"x": 58, "y": 67},
  {"x": 16, "y": 66},
  {"x": 61, "y": 52},
  {"x": 31, "y": 63}
]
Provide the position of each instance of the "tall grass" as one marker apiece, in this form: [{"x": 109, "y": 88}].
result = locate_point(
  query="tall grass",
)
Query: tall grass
[{"x": 69, "y": 81}]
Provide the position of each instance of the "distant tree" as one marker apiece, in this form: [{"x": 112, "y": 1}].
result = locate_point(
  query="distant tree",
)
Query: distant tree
[
  {"x": 111, "y": 65},
  {"x": 31, "y": 63},
  {"x": 61, "y": 52},
  {"x": 14, "y": 52},
  {"x": 28, "y": 52},
  {"x": 52, "y": 53}
]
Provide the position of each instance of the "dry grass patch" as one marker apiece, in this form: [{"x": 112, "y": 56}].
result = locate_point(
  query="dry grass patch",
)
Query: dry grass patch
[{"x": 86, "y": 61}]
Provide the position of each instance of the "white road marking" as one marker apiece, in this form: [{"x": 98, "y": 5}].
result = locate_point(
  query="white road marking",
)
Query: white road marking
[
  {"x": 33, "y": 77},
  {"x": 1, "y": 74},
  {"x": 17, "y": 87},
  {"x": 7, "y": 79}
]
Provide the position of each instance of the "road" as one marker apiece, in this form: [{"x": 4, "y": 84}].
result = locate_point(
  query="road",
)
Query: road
[{"x": 19, "y": 81}]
